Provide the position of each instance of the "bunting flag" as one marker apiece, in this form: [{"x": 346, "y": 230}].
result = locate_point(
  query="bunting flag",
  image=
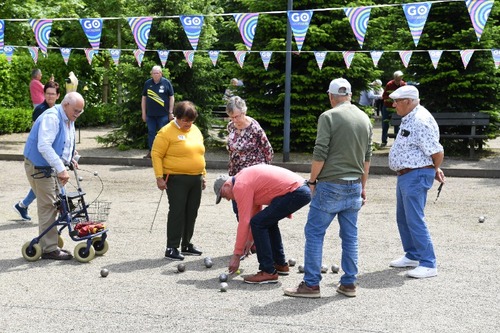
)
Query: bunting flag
[
  {"x": 140, "y": 29},
  {"x": 247, "y": 23},
  {"x": 34, "y": 53},
  {"x": 348, "y": 56},
  {"x": 192, "y": 27},
  {"x": 65, "y": 52},
  {"x": 479, "y": 11},
  {"x": 214, "y": 55},
  {"x": 240, "y": 57},
  {"x": 41, "y": 29},
  {"x": 435, "y": 56},
  {"x": 92, "y": 29},
  {"x": 115, "y": 55},
  {"x": 266, "y": 57},
  {"x": 2, "y": 28},
  {"x": 299, "y": 22},
  {"x": 139, "y": 55},
  {"x": 376, "y": 55},
  {"x": 9, "y": 51},
  {"x": 189, "y": 55},
  {"x": 466, "y": 55},
  {"x": 320, "y": 58},
  {"x": 358, "y": 17},
  {"x": 163, "y": 54},
  {"x": 416, "y": 15},
  {"x": 405, "y": 57},
  {"x": 496, "y": 57},
  {"x": 90, "y": 54}
]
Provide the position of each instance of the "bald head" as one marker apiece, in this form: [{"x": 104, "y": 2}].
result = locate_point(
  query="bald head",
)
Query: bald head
[{"x": 73, "y": 104}]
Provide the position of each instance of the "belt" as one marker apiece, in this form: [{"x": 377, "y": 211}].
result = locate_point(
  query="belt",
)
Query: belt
[
  {"x": 345, "y": 182},
  {"x": 406, "y": 170}
]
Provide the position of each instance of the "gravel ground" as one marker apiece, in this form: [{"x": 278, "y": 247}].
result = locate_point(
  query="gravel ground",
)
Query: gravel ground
[{"x": 144, "y": 293}]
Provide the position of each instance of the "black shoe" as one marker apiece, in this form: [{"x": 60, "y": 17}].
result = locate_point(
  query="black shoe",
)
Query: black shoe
[
  {"x": 173, "y": 254},
  {"x": 191, "y": 250},
  {"x": 57, "y": 255}
]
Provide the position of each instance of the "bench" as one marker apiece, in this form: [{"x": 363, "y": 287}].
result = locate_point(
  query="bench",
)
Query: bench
[
  {"x": 220, "y": 116},
  {"x": 467, "y": 126}
]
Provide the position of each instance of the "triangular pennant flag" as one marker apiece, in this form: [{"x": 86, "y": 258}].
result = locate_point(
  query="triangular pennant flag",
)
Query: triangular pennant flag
[
  {"x": 348, "y": 56},
  {"x": 65, "y": 52},
  {"x": 247, "y": 23},
  {"x": 240, "y": 57},
  {"x": 140, "y": 29},
  {"x": 376, "y": 55},
  {"x": 405, "y": 57},
  {"x": 163, "y": 54},
  {"x": 139, "y": 54},
  {"x": 90, "y": 54},
  {"x": 189, "y": 55},
  {"x": 34, "y": 53},
  {"x": 266, "y": 57},
  {"x": 92, "y": 29},
  {"x": 496, "y": 57},
  {"x": 115, "y": 55},
  {"x": 416, "y": 15},
  {"x": 41, "y": 29},
  {"x": 320, "y": 58},
  {"x": 358, "y": 17},
  {"x": 299, "y": 22},
  {"x": 214, "y": 55},
  {"x": 466, "y": 55},
  {"x": 2, "y": 29},
  {"x": 192, "y": 27},
  {"x": 435, "y": 56},
  {"x": 9, "y": 51},
  {"x": 479, "y": 11}
]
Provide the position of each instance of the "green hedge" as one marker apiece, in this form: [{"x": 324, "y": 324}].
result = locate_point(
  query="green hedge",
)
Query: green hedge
[{"x": 15, "y": 120}]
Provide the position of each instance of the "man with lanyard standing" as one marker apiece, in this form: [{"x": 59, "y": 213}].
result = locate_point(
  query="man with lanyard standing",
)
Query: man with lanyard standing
[
  {"x": 157, "y": 104},
  {"x": 51, "y": 143},
  {"x": 416, "y": 156}
]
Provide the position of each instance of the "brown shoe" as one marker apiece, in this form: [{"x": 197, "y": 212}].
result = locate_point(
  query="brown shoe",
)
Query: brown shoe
[
  {"x": 282, "y": 269},
  {"x": 148, "y": 155},
  {"x": 348, "y": 290},
  {"x": 57, "y": 255},
  {"x": 303, "y": 291},
  {"x": 261, "y": 278}
]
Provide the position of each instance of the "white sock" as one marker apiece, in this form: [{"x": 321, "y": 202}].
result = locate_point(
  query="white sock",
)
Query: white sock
[{"x": 22, "y": 205}]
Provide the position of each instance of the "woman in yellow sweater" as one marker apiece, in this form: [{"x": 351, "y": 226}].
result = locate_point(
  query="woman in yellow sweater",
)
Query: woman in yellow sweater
[{"x": 178, "y": 157}]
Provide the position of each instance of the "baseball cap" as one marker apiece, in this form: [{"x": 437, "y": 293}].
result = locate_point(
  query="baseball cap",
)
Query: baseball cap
[
  {"x": 405, "y": 92},
  {"x": 377, "y": 82},
  {"x": 219, "y": 182},
  {"x": 337, "y": 84},
  {"x": 398, "y": 74}
]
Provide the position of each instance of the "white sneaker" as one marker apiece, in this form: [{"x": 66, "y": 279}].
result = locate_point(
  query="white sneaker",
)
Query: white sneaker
[
  {"x": 422, "y": 272},
  {"x": 404, "y": 262}
]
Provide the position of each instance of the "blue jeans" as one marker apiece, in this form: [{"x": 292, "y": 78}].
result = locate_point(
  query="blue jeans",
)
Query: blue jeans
[
  {"x": 265, "y": 229},
  {"x": 30, "y": 197},
  {"x": 332, "y": 200},
  {"x": 154, "y": 125},
  {"x": 411, "y": 194}
]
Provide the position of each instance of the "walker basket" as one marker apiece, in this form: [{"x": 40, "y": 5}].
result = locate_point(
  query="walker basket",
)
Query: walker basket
[{"x": 98, "y": 211}]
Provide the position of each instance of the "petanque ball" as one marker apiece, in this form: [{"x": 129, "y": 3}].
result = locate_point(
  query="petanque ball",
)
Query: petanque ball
[
  {"x": 324, "y": 269},
  {"x": 291, "y": 262},
  {"x": 223, "y": 286},
  {"x": 96, "y": 173},
  {"x": 208, "y": 263},
  {"x": 335, "y": 268},
  {"x": 301, "y": 269},
  {"x": 80, "y": 179},
  {"x": 481, "y": 219},
  {"x": 104, "y": 272},
  {"x": 181, "y": 268},
  {"x": 223, "y": 277}
]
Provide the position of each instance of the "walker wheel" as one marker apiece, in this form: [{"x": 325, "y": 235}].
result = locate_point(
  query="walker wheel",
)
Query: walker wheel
[
  {"x": 60, "y": 242},
  {"x": 100, "y": 247},
  {"x": 82, "y": 254},
  {"x": 31, "y": 253}
]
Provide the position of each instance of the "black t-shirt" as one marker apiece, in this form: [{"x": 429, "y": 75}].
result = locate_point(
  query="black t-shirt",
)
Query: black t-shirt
[{"x": 157, "y": 96}]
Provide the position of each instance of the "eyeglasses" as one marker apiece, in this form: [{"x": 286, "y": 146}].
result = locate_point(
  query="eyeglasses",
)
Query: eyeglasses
[
  {"x": 51, "y": 94},
  {"x": 234, "y": 117},
  {"x": 77, "y": 112},
  {"x": 400, "y": 100}
]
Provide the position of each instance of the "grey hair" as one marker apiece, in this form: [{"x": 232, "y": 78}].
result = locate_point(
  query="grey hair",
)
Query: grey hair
[
  {"x": 72, "y": 98},
  {"x": 158, "y": 68},
  {"x": 35, "y": 72},
  {"x": 236, "y": 102}
]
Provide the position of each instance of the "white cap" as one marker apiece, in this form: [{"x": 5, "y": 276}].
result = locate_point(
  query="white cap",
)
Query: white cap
[
  {"x": 377, "y": 82},
  {"x": 398, "y": 74},
  {"x": 405, "y": 92},
  {"x": 338, "y": 84}
]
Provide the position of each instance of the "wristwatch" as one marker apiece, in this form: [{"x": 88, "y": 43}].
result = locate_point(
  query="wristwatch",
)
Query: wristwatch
[{"x": 312, "y": 183}]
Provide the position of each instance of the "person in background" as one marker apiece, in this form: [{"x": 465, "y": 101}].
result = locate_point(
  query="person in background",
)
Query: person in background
[
  {"x": 386, "y": 113},
  {"x": 51, "y": 143},
  {"x": 178, "y": 157},
  {"x": 232, "y": 89},
  {"x": 247, "y": 142},
  {"x": 283, "y": 192},
  {"x": 51, "y": 93},
  {"x": 339, "y": 172},
  {"x": 157, "y": 104},
  {"x": 36, "y": 87},
  {"x": 372, "y": 95},
  {"x": 416, "y": 156}
]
